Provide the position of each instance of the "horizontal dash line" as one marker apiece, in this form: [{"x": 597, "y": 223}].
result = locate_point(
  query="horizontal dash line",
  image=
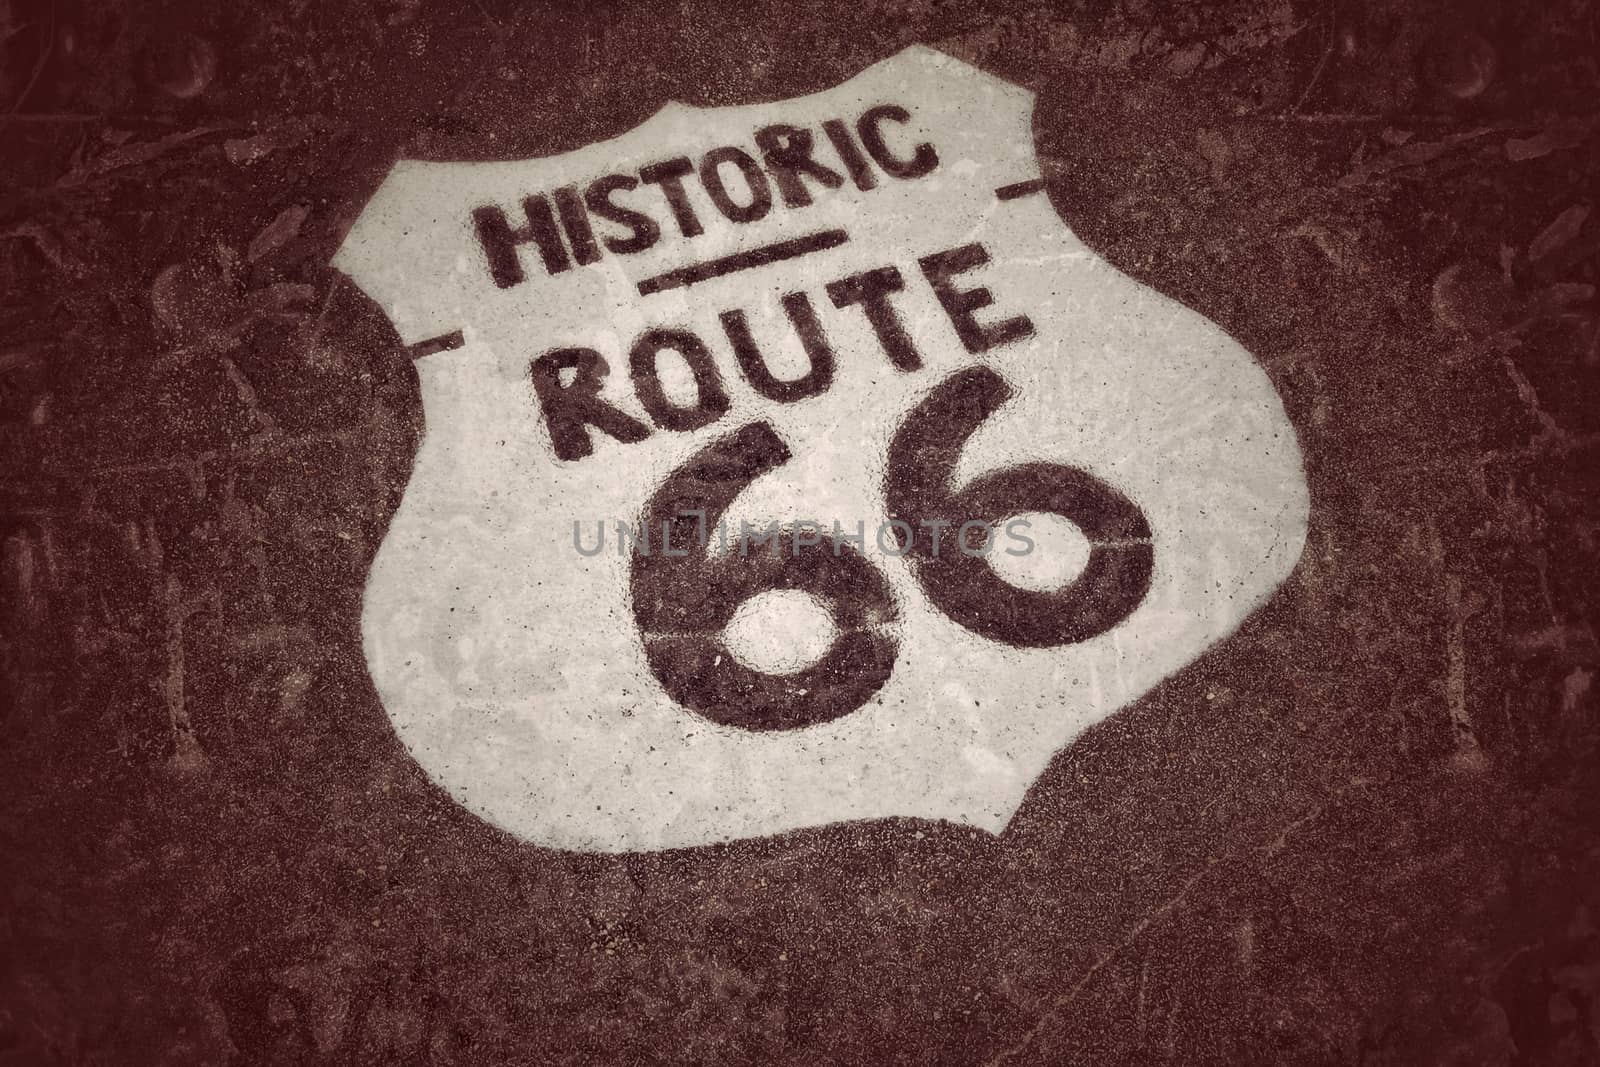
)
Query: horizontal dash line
[
  {"x": 755, "y": 257},
  {"x": 445, "y": 342},
  {"x": 1019, "y": 189}
]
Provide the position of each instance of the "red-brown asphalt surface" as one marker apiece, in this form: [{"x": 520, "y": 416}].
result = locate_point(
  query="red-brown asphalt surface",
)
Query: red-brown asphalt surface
[{"x": 1361, "y": 831}]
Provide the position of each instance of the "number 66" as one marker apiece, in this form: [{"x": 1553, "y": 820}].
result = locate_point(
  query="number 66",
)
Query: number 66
[{"x": 681, "y": 603}]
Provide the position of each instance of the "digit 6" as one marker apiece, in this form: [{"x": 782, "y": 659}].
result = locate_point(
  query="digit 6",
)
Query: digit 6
[
  {"x": 922, "y": 460},
  {"x": 683, "y": 601}
]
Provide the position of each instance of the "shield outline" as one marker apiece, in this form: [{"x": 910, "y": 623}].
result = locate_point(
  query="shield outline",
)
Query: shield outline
[{"x": 417, "y": 324}]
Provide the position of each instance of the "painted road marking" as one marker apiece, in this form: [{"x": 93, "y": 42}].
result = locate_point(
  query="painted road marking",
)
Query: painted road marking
[
  {"x": 447, "y": 342},
  {"x": 755, "y": 257},
  {"x": 719, "y": 527},
  {"x": 1017, "y": 190}
]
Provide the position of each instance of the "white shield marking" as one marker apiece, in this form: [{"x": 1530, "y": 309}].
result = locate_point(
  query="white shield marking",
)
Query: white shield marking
[{"x": 512, "y": 666}]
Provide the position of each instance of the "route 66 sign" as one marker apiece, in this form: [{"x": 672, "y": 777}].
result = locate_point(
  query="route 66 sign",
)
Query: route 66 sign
[{"x": 791, "y": 464}]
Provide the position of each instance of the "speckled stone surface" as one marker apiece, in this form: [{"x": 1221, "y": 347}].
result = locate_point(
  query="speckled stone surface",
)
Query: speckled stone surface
[{"x": 1362, "y": 830}]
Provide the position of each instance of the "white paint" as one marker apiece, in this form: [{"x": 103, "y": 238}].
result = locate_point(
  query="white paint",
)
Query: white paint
[
  {"x": 1052, "y": 556},
  {"x": 510, "y": 665},
  {"x": 781, "y": 631}
]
